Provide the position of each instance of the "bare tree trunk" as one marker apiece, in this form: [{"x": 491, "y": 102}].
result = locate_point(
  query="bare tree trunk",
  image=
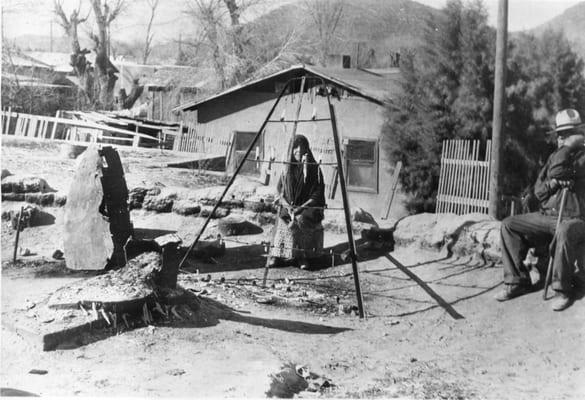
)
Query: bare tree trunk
[
  {"x": 105, "y": 71},
  {"x": 326, "y": 15},
  {"x": 78, "y": 60},
  {"x": 225, "y": 38},
  {"x": 153, "y": 4}
]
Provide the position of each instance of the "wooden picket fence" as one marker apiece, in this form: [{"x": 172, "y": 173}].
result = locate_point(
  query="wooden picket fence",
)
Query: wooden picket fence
[
  {"x": 196, "y": 138},
  {"x": 464, "y": 177}
]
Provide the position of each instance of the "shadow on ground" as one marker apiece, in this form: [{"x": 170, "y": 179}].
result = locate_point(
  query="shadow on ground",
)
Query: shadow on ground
[
  {"x": 196, "y": 312},
  {"x": 253, "y": 256}
]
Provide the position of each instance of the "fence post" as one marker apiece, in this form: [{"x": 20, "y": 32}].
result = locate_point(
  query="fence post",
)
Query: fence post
[
  {"x": 54, "y": 131},
  {"x": 8, "y": 121},
  {"x": 136, "y": 139}
]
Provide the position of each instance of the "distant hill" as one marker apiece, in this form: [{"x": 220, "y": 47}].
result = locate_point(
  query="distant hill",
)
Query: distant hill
[
  {"x": 41, "y": 43},
  {"x": 381, "y": 25},
  {"x": 572, "y": 23}
]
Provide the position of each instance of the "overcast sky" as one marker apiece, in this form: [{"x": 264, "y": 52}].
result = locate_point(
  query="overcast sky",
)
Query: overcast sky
[
  {"x": 522, "y": 14},
  {"x": 34, "y": 16}
]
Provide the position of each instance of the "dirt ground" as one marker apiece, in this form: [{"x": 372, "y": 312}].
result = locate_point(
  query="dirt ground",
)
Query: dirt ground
[{"x": 433, "y": 330}]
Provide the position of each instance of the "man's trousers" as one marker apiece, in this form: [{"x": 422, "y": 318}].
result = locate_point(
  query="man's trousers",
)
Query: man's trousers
[{"x": 521, "y": 232}]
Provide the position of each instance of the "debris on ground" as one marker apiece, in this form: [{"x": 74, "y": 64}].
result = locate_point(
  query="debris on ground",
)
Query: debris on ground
[
  {"x": 293, "y": 379},
  {"x": 57, "y": 254},
  {"x": 38, "y": 371}
]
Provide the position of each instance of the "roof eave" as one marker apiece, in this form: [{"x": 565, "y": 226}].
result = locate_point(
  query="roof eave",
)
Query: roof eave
[
  {"x": 373, "y": 98},
  {"x": 191, "y": 105}
]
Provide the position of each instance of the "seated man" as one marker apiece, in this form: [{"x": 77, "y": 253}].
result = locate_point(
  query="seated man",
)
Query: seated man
[{"x": 565, "y": 168}]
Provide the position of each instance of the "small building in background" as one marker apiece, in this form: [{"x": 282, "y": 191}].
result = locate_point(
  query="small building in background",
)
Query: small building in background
[
  {"x": 170, "y": 86},
  {"x": 29, "y": 84}
]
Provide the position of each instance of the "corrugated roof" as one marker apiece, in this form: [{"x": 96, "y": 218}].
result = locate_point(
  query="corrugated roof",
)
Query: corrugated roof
[{"x": 374, "y": 87}]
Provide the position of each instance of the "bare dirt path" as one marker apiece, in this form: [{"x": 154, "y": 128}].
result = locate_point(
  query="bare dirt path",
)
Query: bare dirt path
[{"x": 433, "y": 330}]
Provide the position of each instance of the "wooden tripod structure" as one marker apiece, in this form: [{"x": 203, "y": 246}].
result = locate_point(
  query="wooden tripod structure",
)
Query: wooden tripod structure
[{"x": 340, "y": 176}]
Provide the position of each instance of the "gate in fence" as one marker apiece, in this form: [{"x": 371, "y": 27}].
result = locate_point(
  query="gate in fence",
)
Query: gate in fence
[{"x": 464, "y": 177}]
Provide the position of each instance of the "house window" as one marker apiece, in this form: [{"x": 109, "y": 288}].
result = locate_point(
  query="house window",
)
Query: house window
[
  {"x": 361, "y": 165},
  {"x": 241, "y": 142}
]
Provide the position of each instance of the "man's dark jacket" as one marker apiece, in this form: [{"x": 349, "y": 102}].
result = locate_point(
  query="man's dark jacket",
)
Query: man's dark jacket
[{"x": 564, "y": 164}]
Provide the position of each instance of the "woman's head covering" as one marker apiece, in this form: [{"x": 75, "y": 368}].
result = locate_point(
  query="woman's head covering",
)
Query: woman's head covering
[
  {"x": 303, "y": 142},
  {"x": 303, "y": 181}
]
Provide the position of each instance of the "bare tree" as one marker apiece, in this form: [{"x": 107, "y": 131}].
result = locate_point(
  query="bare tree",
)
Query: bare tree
[
  {"x": 97, "y": 81},
  {"x": 153, "y": 5},
  {"x": 79, "y": 62},
  {"x": 326, "y": 15},
  {"x": 223, "y": 35},
  {"x": 105, "y": 13}
]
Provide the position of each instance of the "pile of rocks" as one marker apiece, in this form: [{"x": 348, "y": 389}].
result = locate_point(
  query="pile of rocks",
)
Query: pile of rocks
[
  {"x": 245, "y": 194},
  {"x": 31, "y": 189}
]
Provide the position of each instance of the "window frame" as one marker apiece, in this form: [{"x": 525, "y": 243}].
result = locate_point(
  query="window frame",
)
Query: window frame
[{"x": 347, "y": 163}]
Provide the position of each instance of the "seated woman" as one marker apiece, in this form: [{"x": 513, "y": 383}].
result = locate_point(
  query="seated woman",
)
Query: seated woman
[{"x": 298, "y": 232}]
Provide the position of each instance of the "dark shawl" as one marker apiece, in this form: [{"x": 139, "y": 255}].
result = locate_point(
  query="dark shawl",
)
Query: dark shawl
[{"x": 295, "y": 189}]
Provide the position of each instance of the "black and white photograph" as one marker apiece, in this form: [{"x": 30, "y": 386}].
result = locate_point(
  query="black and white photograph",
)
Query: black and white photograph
[{"x": 322, "y": 199}]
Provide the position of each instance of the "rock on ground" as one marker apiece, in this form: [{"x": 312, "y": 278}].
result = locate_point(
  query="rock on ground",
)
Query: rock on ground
[
  {"x": 159, "y": 203},
  {"x": 361, "y": 215},
  {"x": 433, "y": 230},
  {"x": 186, "y": 207},
  {"x": 234, "y": 226},
  {"x": 221, "y": 212},
  {"x": 136, "y": 197},
  {"x": 31, "y": 216},
  {"x": 25, "y": 184},
  {"x": 481, "y": 238}
]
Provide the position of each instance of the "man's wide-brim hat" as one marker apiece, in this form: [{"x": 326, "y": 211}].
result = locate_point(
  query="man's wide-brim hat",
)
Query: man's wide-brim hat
[{"x": 566, "y": 121}]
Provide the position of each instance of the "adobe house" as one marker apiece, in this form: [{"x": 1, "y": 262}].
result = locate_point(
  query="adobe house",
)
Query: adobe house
[{"x": 359, "y": 97}]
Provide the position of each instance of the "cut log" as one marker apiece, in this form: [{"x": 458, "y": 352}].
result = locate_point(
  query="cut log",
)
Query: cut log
[{"x": 125, "y": 287}]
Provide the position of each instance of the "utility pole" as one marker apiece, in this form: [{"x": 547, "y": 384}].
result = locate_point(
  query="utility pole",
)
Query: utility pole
[
  {"x": 499, "y": 107},
  {"x": 51, "y": 38}
]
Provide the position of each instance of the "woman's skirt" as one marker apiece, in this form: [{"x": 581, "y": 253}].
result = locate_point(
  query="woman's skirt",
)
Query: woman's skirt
[{"x": 299, "y": 239}]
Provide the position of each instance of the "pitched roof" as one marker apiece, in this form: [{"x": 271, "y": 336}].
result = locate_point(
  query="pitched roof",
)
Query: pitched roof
[
  {"x": 378, "y": 88},
  {"x": 370, "y": 84},
  {"x": 23, "y": 60},
  {"x": 59, "y": 61}
]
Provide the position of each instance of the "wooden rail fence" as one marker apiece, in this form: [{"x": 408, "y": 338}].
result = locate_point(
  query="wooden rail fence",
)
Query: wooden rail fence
[
  {"x": 58, "y": 128},
  {"x": 464, "y": 177}
]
